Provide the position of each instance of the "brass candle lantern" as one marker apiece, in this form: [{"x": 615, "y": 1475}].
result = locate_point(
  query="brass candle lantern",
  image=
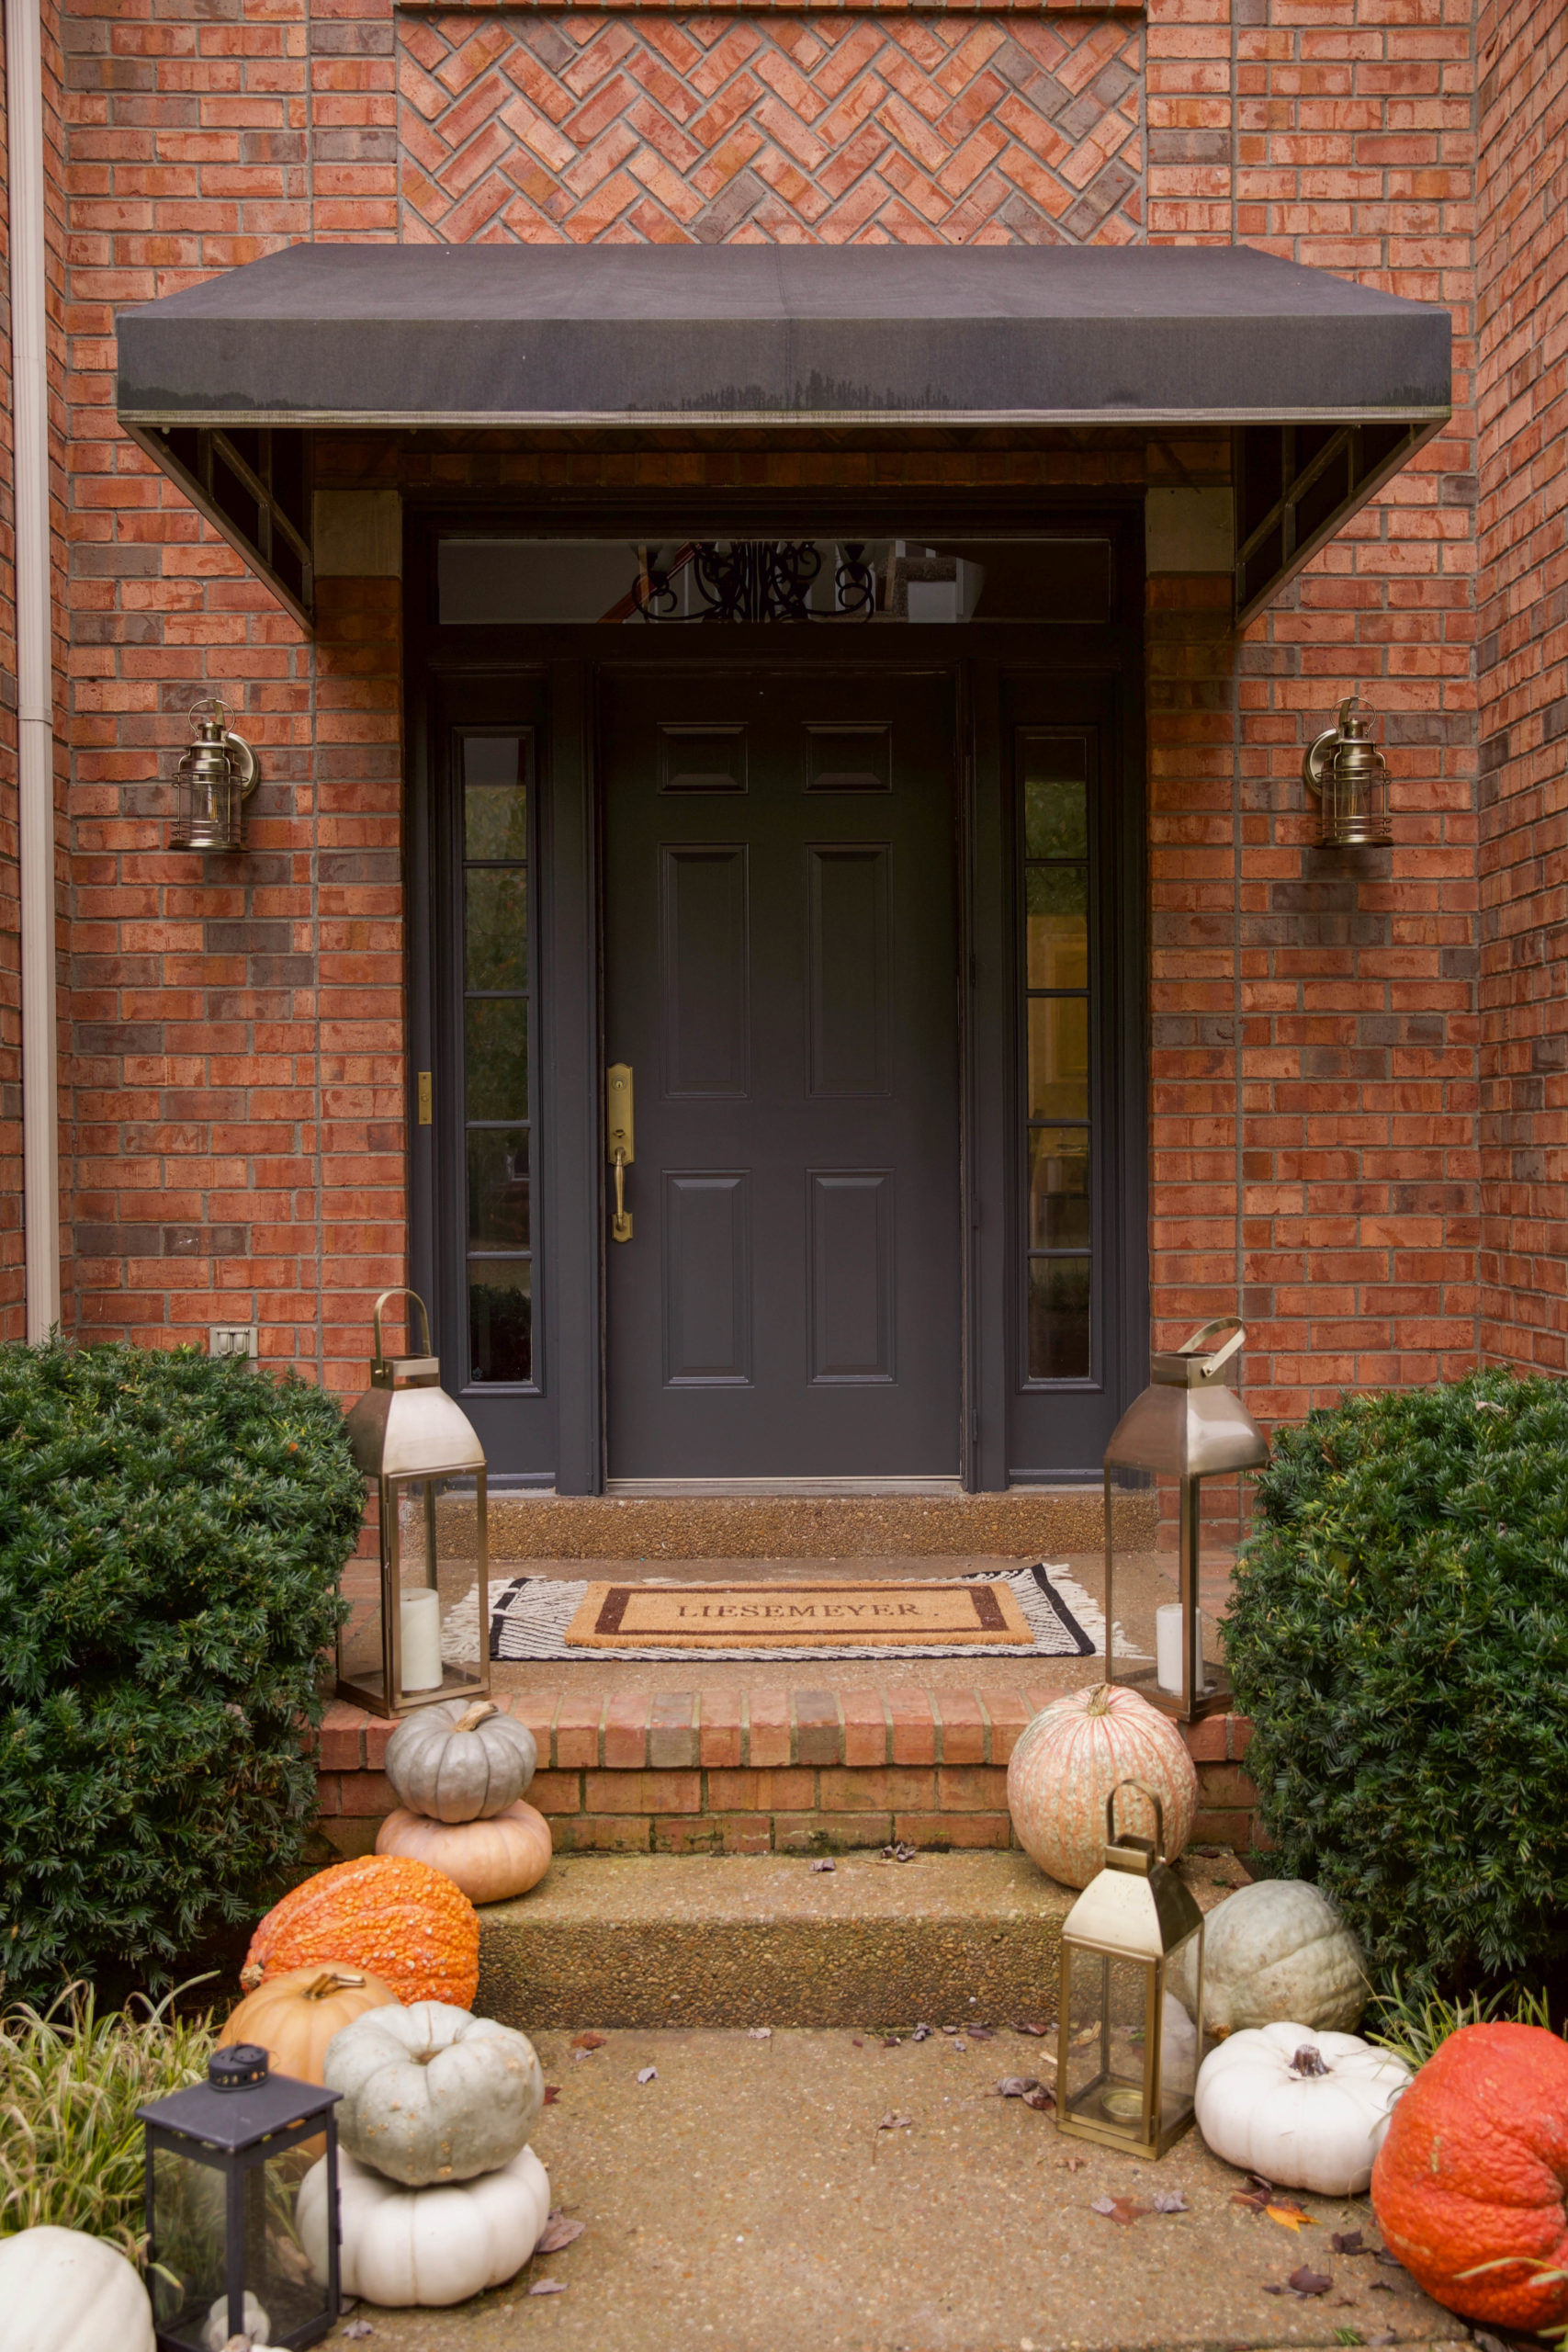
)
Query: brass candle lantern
[
  {"x": 422, "y": 1633},
  {"x": 1127, "y": 2049},
  {"x": 1186, "y": 1426},
  {"x": 216, "y": 777},
  {"x": 1348, "y": 775}
]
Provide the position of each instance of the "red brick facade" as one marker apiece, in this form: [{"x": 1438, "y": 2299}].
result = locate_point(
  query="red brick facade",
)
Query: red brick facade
[{"x": 1360, "y": 1061}]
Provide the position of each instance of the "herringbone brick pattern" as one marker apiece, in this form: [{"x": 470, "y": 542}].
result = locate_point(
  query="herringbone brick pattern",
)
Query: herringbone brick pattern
[{"x": 715, "y": 130}]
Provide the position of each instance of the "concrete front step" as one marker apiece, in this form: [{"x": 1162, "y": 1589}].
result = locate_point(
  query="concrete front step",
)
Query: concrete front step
[{"x": 766, "y": 1939}]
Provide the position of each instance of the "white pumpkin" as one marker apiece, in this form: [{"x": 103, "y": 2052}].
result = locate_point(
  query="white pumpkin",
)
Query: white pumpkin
[
  {"x": 1304, "y": 2109},
  {"x": 258, "y": 2325},
  {"x": 430, "y": 2093},
  {"x": 1276, "y": 1951},
  {"x": 403, "y": 2246},
  {"x": 463, "y": 1761},
  {"x": 63, "y": 2291}
]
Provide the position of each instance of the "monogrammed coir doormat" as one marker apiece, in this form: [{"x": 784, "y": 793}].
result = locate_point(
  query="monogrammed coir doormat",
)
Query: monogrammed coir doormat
[{"x": 1035, "y": 1611}]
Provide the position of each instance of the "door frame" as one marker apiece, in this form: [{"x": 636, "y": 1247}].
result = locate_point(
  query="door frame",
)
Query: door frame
[{"x": 565, "y": 1404}]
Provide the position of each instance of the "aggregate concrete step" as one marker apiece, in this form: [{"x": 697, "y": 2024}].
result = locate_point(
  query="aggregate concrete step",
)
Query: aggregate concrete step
[{"x": 748, "y": 1940}]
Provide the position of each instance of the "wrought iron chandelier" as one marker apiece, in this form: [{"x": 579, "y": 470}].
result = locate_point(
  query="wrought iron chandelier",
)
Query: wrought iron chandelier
[{"x": 754, "y": 579}]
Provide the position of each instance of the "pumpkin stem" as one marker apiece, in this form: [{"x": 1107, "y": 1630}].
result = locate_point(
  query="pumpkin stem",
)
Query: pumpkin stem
[
  {"x": 331, "y": 1981},
  {"x": 1308, "y": 2061},
  {"x": 1099, "y": 1700},
  {"x": 471, "y": 1717}
]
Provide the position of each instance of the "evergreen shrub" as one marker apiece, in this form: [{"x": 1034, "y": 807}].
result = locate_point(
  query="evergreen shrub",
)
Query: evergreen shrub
[
  {"x": 1399, "y": 1636},
  {"x": 172, "y": 1533}
]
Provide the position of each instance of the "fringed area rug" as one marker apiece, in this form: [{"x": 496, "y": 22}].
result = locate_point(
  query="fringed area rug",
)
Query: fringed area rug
[{"x": 1038, "y": 1612}]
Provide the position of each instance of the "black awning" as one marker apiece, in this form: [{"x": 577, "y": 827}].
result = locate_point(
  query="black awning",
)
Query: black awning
[{"x": 476, "y": 335}]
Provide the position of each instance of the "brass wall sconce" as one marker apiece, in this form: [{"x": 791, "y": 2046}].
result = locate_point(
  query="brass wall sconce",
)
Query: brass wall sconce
[{"x": 1349, "y": 777}]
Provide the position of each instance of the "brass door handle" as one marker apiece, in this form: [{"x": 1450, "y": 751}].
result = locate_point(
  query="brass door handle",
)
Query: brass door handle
[{"x": 618, "y": 1139}]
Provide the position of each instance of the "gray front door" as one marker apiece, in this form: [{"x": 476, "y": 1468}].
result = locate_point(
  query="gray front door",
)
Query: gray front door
[{"x": 780, "y": 975}]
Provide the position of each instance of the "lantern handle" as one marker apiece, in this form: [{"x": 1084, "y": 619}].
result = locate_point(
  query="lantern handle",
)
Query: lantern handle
[
  {"x": 1192, "y": 1345},
  {"x": 400, "y": 1291},
  {"x": 1144, "y": 1790}
]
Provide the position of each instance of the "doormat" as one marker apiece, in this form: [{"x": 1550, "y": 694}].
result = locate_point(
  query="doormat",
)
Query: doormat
[{"x": 1037, "y": 1612}]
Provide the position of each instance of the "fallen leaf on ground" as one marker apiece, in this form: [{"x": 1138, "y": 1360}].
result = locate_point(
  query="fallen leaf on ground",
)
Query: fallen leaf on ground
[
  {"x": 825, "y": 1865},
  {"x": 856, "y": 2041},
  {"x": 1119, "y": 2209},
  {"x": 1040, "y": 2099},
  {"x": 357, "y": 2329},
  {"x": 922, "y": 2033},
  {"x": 1350, "y": 2241},
  {"x": 1015, "y": 2086},
  {"x": 1169, "y": 2200},
  {"x": 894, "y": 2121},
  {"x": 950, "y": 2029},
  {"x": 982, "y": 2033},
  {"x": 891, "y": 2041},
  {"x": 759, "y": 2033},
  {"x": 1072, "y": 2164},
  {"x": 649, "y": 2074},
  {"x": 589, "y": 2040},
  {"x": 559, "y": 2231},
  {"x": 1387, "y": 2336},
  {"x": 961, "y": 2046},
  {"x": 1382, "y": 2286},
  {"x": 552, "y": 2092},
  {"x": 901, "y": 1852},
  {"x": 1389, "y": 2261},
  {"x": 1304, "y": 2283},
  {"x": 547, "y": 2287},
  {"x": 1290, "y": 2215},
  {"x": 1039, "y": 2031}
]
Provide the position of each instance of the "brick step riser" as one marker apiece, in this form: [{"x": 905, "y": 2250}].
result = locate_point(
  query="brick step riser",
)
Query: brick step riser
[{"x": 785, "y": 1771}]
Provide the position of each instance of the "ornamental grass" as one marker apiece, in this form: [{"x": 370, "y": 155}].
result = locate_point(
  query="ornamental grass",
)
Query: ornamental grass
[{"x": 71, "y": 2080}]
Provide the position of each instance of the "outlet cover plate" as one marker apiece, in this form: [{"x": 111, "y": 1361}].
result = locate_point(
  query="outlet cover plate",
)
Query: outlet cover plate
[{"x": 235, "y": 1339}]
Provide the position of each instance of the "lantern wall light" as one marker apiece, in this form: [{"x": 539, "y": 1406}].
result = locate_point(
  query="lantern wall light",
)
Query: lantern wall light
[
  {"x": 216, "y": 777},
  {"x": 1349, "y": 777},
  {"x": 423, "y": 1635}
]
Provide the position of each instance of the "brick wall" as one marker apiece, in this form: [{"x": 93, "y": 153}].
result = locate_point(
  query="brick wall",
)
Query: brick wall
[
  {"x": 1315, "y": 1011},
  {"x": 1522, "y": 270},
  {"x": 240, "y": 1084}
]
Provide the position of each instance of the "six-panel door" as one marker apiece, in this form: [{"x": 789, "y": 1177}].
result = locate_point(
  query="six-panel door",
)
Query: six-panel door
[{"x": 779, "y": 973}]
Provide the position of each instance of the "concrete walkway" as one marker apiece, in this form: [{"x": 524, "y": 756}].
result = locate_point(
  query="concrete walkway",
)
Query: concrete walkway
[{"x": 747, "y": 2199}]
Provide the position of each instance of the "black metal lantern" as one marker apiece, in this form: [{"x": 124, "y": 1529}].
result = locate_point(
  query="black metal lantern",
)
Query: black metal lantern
[
  {"x": 223, "y": 2165},
  {"x": 216, "y": 777}
]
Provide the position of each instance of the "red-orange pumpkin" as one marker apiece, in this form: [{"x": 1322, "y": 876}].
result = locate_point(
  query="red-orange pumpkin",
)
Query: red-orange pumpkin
[
  {"x": 400, "y": 1920},
  {"x": 1474, "y": 2171}
]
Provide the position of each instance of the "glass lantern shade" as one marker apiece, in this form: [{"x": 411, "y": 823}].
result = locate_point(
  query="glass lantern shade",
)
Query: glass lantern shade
[
  {"x": 1162, "y": 1611},
  {"x": 418, "y": 1629},
  {"x": 223, "y": 2165},
  {"x": 1129, "y": 2046}
]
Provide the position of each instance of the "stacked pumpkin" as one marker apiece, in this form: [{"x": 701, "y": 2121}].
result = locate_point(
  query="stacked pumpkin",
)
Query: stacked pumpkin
[
  {"x": 439, "y": 2194},
  {"x": 458, "y": 1771}
]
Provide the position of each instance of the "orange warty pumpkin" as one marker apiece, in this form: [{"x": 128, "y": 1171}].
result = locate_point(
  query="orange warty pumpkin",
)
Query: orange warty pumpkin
[
  {"x": 400, "y": 1920},
  {"x": 1473, "y": 2172}
]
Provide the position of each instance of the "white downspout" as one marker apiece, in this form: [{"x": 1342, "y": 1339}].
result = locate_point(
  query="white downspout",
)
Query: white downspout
[{"x": 35, "y": 726}]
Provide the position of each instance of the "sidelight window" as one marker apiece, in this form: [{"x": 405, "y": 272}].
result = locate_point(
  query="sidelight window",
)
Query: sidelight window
[
  {"x": 497, "y": 1127},
  {"x": 1058, "y": 1241}
]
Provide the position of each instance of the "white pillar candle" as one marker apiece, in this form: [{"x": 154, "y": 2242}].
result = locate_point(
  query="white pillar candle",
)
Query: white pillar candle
[
  {"x": 421, "y": 1641},
  {"x": 1167, "y": 1645}
]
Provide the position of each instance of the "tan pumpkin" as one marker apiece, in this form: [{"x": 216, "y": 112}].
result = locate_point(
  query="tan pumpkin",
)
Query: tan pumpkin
[
  {"x": 294, "y": 2016},
  {"x": 490, "y": 1861},
  {"x": 1068, "y": 1760}
]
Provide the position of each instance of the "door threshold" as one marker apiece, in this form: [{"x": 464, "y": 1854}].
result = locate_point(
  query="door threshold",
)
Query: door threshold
[{"x": 662, "y": 1489}]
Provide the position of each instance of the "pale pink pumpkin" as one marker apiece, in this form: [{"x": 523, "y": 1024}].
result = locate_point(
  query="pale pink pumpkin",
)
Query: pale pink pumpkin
[{"x": 1067, "y": 1761}]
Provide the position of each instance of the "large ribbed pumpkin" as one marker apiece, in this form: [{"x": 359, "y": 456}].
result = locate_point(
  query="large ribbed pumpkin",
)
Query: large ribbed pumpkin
[
  {"x": 1068, "y": 1760},
  {"x": 398, "y": 1920},
  {"x": 1473, "y": 2172},
  {"x": 491, "y": 1860}
]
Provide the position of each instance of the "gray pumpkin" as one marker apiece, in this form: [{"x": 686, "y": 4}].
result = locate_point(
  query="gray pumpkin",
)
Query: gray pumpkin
[
  {"x": 433, "y": 2093},
  {"x": 463, "y": 1761}
]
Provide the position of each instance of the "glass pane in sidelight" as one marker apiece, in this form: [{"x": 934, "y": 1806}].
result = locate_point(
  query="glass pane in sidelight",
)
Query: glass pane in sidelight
[
  {"x": 1058, "y": 1058},
  {"x": 495, "y": 816},
  {"x": 1056, "y": 801},
  {"x": 496, "y": 1057},
  {"x": 501, "y": 1318},
  {"x": 497, "y": 1187},
  {"x": 496, "y": 926},
  {"x": 1058, "y": 1188},
  {"x": 1056, "y": 904},
  {"x": 1058, "y": 1318}
]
